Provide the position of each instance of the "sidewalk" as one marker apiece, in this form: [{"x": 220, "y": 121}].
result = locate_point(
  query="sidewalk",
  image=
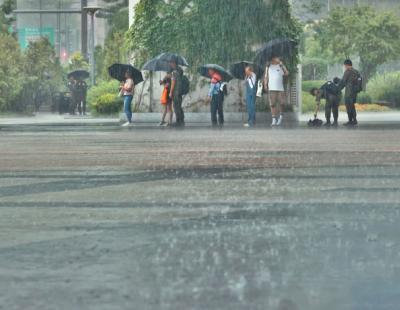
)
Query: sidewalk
[
  {"x": 56, "y": 119},
  {"x": 43, "y": 119}
]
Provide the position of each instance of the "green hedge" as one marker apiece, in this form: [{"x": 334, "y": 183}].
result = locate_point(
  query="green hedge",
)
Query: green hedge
[
  {"x": 103, "y": 98},
  {"x": 385, "y": 88},
  {"x": 309, "y": 104},
  {"x": 107, "y": 104}
]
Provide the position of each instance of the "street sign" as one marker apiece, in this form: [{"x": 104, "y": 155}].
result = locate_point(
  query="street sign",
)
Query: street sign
[{"x": 27, "y": 35}]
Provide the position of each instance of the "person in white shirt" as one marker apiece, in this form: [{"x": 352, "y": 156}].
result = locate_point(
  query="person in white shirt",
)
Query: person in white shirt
[
  {"x": 127, "y": 89},
  {"x": 273, "y": 84},
  {"x": 251, "y": 92}
]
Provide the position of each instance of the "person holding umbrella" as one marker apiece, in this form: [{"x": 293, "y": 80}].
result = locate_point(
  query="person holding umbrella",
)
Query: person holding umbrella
[
  {"x": 175, "y": 93},
  {"x": 166, "y": 101},
  {"x": 216, "y": 98},
  {"x": 274, "y": 85},
  {"x": 127, "y": 90},
  {"x": 251, "y": 92},
  {"x": 129, "y": 77}
]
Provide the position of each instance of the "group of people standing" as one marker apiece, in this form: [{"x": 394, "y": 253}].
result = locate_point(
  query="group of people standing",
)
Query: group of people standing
[
  {"x": 273, "y": 83},
  {"x": 78, "y": 89},
  {"x": 331, "y": 91}
]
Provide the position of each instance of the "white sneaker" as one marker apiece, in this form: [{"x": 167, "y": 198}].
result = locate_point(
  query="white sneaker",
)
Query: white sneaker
[
  {"x": 279, "y": 121},
  {"x": 126, "y": 124},
  {"x": 274, "y": 122},
  {"x": 246, "y": 125}
]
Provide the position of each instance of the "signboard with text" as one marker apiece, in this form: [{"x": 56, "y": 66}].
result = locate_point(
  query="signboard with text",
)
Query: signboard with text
[{"x": 27, "y": 35}]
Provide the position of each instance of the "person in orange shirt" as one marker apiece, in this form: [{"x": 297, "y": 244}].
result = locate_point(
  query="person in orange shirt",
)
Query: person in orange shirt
[{"x": 166, "y": 101}]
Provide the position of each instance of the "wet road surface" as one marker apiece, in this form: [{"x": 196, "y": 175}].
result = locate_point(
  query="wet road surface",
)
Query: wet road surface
[{"x": 104, "y": 218}]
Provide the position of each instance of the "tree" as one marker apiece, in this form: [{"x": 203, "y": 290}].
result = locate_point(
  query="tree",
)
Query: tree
[
  {"x": 361, "y": 32},
  {"x": 230, "y": 31},
  {"x": 10, "y": 72},
  {"x": 42, "y": 73},
  {"x": 77, "y": 61}
]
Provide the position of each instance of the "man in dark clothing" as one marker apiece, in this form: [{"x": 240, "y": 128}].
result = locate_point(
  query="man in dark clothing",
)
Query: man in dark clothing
[
  {"x": 332, "y": 95},
  {"x": 349, "y": 82},
  {"x": 81, "y": 90},
  {"x": 176, "y": 92}
]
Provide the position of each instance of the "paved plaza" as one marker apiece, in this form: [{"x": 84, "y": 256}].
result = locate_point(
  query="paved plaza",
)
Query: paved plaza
[{"x": 99, "y": 217}]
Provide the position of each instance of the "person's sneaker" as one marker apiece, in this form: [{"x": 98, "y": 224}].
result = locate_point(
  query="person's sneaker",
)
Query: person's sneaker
[
  {"x": 280, "y": 120},
  {"x": 335, "y": 124},
  {"x": 161, "y": 124},
  {"x": 274, "y": 122},
  {"x": 327, "y": 124},
  {"x": 126, "y": 124},
  {"x": 246, "y": 125},
  {"x": 354, "y": 122},
  {"x": 349, "y": 123}
]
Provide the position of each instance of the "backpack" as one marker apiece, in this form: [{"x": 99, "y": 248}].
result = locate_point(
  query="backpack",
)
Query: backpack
[
  {"x": 185, "y": 86},
  {"x": 331, "y": 88},
  {"x": 358, "y": 83},
  {"x": 224, "y": 88}
]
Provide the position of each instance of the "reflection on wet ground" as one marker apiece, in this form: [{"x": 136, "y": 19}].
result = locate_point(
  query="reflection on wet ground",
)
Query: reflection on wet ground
[{"x": 200, "y": 219}]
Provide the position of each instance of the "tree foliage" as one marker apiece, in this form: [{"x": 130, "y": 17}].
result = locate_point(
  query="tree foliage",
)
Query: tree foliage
[
  {"x": 361, "y": 32},
  {"x": 209, "y": 31},
  {"x": 10, "y": 70}
]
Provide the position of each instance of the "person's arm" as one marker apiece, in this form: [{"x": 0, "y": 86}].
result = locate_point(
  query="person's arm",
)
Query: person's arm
[
  {"x": 266, "y": 78},
  {"x": 252, "y": 80},
  {"x": 173, "y": 83},
  {"x": 285, "y": 70},
  {"x": 343, "y": 81},
  {"x": 318, "y": 102}
]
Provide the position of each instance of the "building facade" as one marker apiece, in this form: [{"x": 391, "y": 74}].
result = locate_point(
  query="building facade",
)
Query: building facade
[{"x": 62, "y": 29}]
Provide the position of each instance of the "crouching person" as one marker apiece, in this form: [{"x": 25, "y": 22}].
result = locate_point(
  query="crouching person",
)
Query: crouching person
[{"x": 331, "y": 93}]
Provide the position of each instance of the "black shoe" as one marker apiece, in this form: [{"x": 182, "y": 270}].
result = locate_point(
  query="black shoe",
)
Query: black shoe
[
  {"x": 327, "y": 124},
  {"x": 349, "y": 123},
  {"x": 354, "y": 122},
  {"x": 335, "y": 124}
]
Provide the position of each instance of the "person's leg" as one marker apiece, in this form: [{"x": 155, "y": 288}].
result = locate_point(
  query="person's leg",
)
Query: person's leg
[
  {"x": 354, "y": 111},
  {"x": 250, "y": 108},
  {"x": 170, "y": 112},
  {"x": 281, "y": 99},
  {"x": 221, "y": 119},
  {"x": 348, "y": 103},
  {"x": 335, "y": 110},
  {"x": 178, "y": 110},
  {"x": 80, "y": 106},
  {"x": 164, "y": 114},
  {"x": 213, "y": 110},
  {"x": 128, "y": 108},
  {"x": 328, "y": 109},
  {"x": 272, "y": 96},
  {"x": 84, "y": 106},
  {"x": 253, "y": 100}
]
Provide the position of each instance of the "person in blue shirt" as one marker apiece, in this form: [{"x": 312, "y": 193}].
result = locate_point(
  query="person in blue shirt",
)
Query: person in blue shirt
[
  {"x": 251, "y": 92},
  {"x": 216, "y": 97}
]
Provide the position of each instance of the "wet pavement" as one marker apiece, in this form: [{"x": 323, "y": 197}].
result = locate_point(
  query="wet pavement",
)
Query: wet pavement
[{"x": 99, "y": 217}]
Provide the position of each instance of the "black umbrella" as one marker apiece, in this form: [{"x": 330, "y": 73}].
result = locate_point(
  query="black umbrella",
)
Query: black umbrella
[
  {"x": 118, "y": 71},
  {"x": 167, "y": 57},
  {"x": 157, "y": 64},
  {"x": 79, "y": 74},
  {"x": 226, "y": 76},
  {"x": 238, "y": 68},
  {"x": 278, "y": 47}
]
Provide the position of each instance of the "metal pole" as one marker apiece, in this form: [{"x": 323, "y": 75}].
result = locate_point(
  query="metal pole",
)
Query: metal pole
[
  {"x": 92, "y": 61},
  {"x": 84, "y": 27}
]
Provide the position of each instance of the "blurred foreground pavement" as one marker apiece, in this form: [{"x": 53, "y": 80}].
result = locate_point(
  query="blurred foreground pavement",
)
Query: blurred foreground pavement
[{"x": 110, "y": 218}]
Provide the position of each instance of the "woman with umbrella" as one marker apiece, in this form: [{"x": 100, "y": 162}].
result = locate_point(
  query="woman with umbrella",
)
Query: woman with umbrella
[
  {"x": 127, "y": 90},
  {"x": 129, "y": 76}
]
